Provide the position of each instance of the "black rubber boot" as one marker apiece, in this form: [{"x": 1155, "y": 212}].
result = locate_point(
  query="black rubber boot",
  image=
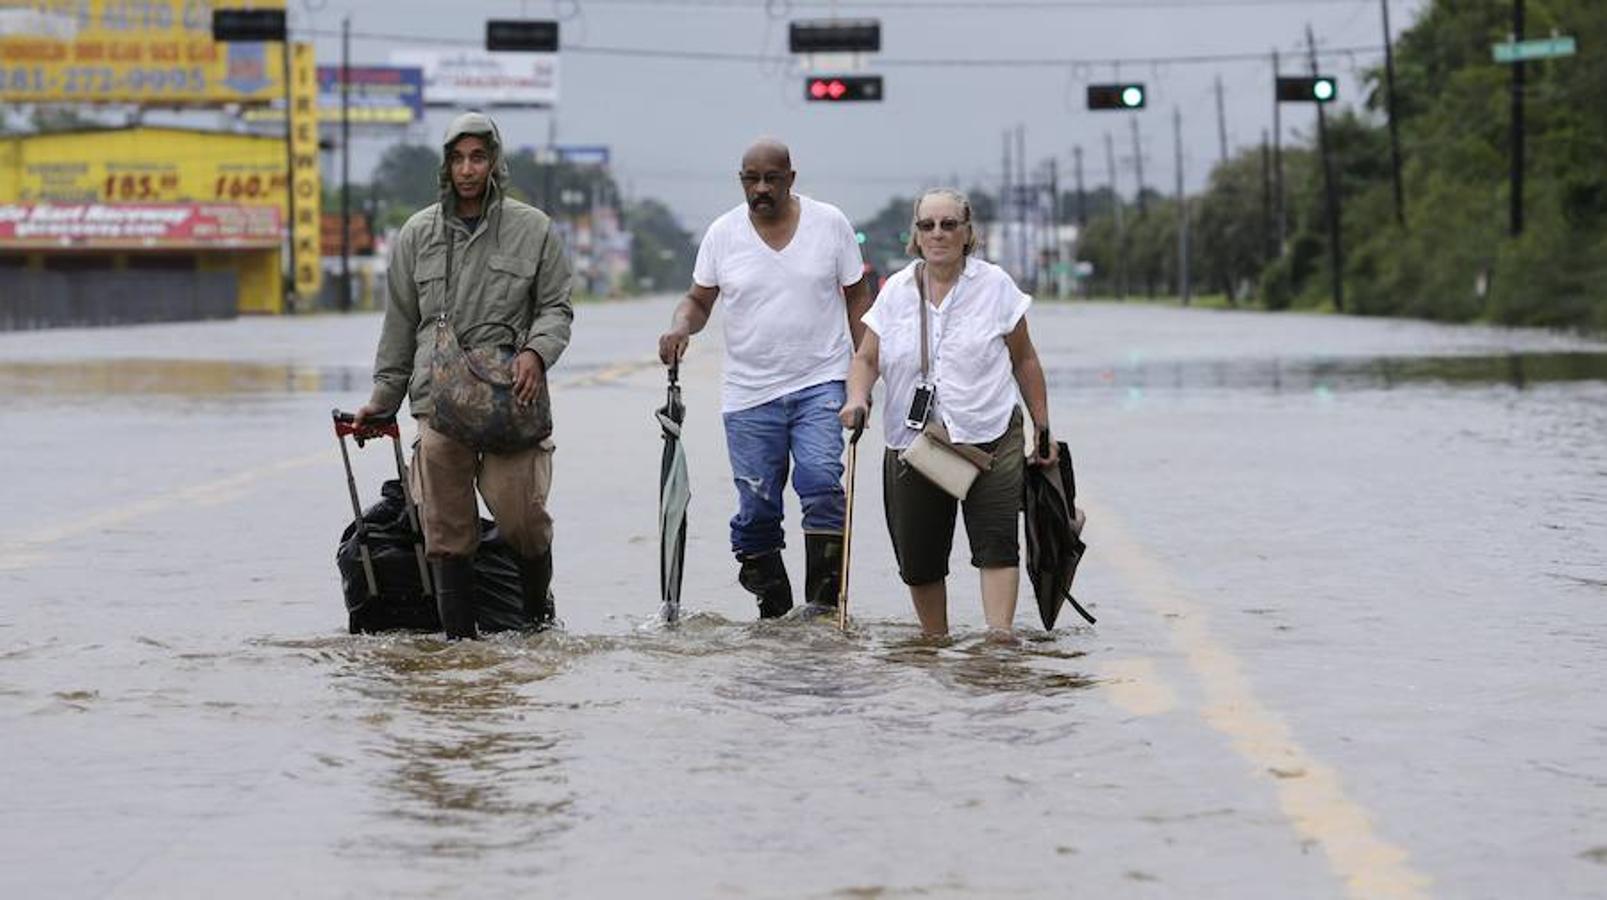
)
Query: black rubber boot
[
  {"x": 454, "y": 596},
  {"x": 538, "y": 603},
  {"x": 823, "y": 571},
  {"x": 765, "y": 576}
]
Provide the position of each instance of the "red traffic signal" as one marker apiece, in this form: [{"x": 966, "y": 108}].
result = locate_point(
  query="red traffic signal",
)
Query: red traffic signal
[{"x": 843, "y": 88}]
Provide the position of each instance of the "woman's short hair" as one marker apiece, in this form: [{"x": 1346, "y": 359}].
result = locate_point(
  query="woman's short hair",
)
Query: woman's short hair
[{"x": 971, "y": 241}]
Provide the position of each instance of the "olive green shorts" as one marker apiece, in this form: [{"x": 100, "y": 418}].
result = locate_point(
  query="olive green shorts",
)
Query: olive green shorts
[{"x": 920, "y": 515}]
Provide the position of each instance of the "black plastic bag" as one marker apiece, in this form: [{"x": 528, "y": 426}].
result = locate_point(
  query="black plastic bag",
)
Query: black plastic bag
[{"x": 401, "y": 603}]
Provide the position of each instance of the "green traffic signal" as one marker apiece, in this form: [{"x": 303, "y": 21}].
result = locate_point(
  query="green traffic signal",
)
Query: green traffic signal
[
  {"x": 1116, "y": 96},
  {"x": 1306, "y": 89}
]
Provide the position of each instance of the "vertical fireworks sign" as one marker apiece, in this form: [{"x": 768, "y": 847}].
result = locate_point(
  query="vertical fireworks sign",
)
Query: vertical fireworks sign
[{"x": 305, "y": 186}]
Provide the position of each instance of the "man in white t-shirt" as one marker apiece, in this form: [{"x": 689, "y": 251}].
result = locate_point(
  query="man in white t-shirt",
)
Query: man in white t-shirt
[{"x": 792, "y": 277}]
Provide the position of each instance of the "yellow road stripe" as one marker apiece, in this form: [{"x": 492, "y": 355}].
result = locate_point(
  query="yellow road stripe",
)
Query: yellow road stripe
[
  {"x": 1136, "y": 686},
  {"x": 612, "y": 373},
  {"x": 1309, "y": 791},
  {"x": 22, "y": 552}
]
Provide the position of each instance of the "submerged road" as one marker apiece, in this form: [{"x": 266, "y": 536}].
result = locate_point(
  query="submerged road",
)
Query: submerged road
[{"x": 1350, "y": 579}]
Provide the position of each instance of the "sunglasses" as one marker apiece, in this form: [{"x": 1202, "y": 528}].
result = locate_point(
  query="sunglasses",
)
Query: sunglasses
[{"x": 927, "y": 225}]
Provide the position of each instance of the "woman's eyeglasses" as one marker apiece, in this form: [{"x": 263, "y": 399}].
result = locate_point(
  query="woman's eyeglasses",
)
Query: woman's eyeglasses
[{"x": 926, "y": 225}]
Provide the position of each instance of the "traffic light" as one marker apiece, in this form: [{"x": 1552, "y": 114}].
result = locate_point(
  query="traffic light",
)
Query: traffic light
[
  {"x": 1307, "y": 89},
  {"x": 1115, "y": 96},
  {"x": 843, "y": 88},
  {"x": 835, "y": 36},
  {"x": 522, "y": 35},
  {"x": 248, "y": 25}
]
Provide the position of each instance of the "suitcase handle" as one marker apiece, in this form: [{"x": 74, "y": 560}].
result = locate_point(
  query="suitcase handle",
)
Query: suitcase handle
[{"x": 374, "y": 428}]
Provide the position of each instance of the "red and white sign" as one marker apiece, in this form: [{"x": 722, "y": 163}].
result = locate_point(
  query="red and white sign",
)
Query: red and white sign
[{"x": 50, "y": 226}]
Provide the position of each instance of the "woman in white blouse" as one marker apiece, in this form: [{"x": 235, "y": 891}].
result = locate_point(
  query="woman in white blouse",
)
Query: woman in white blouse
[{"x": 978, "y": 355}]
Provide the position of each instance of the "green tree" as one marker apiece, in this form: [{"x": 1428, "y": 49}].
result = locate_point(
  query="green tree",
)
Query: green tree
[
  {"x": 662, "y": 252},
  {"x": 1234, "y": 235},
  {"x": 406, "y": 179}
]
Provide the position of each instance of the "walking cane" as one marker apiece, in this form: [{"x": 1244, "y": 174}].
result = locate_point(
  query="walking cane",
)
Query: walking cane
[{"x": 848, "y": 526}]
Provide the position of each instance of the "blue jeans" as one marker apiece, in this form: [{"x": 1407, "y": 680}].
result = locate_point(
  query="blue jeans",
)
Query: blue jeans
[{"x": 804, "y": 425}]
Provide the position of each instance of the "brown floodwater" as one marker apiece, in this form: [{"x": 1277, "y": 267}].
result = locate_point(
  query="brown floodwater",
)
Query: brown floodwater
[{"x": 1350, "y": 578}]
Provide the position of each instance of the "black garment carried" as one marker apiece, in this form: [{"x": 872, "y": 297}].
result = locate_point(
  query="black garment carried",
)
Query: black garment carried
[
  {"x": 401, "y": 602},
  {"x": 1053, "y": 528}
]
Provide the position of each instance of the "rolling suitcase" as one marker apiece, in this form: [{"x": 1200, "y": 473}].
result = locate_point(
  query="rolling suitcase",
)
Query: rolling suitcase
[{"x": 381, "y": 558}]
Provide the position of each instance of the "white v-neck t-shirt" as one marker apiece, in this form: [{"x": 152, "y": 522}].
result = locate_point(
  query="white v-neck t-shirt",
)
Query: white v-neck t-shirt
[
  {"x": 969, "y": 361},
  {"x": 786, "y": 322}
]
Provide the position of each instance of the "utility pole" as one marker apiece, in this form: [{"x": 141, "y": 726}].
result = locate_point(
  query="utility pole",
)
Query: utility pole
[
  {"x": 1053, "y": 230},
  {"x": 1279, "y": 219},
  {"x": 1268, "y": 247},
  {"x": 345, "y": 164},
  {"x": 1121, "y": 232},
  {"x": 1138, "y": 163},
  {"x": 1027, "y": 268},
  {"x": 1005, "y": 213},
  {"x": 1222, "y": 121},
  {"x": 1517, "y": 124},
  {"x": 291, "y": 296},
  {"x": 1082, "y": 198},
  {"x": 1183, "y": 287},
  {"x": 1330, "y": 190},
  {"x": 1394, "y": 128}
]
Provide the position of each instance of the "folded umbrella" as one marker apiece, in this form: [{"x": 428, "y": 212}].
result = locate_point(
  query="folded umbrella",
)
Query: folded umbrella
[
  {"x": 674, "y": 493},
  {"x": 1054, "y": 536}
]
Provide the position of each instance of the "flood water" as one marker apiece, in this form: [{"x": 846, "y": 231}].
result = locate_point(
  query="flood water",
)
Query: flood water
[{"x": 1350, "y": 575}]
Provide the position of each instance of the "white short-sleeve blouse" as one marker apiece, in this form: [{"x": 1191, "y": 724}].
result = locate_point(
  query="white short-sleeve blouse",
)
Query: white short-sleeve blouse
[{"x": 970, "y": 364}]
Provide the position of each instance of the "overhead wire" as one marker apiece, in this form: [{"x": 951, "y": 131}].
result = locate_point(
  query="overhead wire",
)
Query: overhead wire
[
  {"x": 726, "y": 56},
  {"x": 780, "y": 8}
]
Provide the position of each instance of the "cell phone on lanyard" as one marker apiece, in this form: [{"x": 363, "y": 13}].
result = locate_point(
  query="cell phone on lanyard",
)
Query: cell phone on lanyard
[{"x": 920, "y": 406}]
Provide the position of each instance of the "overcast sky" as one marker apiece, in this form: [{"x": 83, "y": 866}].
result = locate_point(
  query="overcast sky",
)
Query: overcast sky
[{"x": 677, "y": 127}]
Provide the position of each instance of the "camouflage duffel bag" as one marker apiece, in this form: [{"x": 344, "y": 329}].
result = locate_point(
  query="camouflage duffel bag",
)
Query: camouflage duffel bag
[{"x": 471, "y": 391}]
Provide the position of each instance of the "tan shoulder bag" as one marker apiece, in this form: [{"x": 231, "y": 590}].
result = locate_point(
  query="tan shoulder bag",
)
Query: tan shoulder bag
[{"x": 952, "y": 467}]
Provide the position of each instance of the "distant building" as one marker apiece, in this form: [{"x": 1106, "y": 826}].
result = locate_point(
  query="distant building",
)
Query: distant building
[{"x": 140, "y": 224}]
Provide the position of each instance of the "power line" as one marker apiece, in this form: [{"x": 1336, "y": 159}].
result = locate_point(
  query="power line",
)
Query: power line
[
  {"x": 907, "y": 62},
  {"x": 781, "y": 8}
]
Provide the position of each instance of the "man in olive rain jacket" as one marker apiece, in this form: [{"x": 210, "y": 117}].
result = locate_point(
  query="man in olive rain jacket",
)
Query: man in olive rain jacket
[{"x": 507, "y": 267}]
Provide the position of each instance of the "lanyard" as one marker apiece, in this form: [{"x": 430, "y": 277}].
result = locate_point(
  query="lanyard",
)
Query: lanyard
[{"x": 923, "y": 288}]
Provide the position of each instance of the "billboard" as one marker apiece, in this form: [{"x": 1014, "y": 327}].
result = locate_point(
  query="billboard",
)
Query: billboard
[
  {"x": 392, "y": 95},
  {"x": 584, "y": 154},
  {"x": 380, "y": 95},
  {"x": 143, "y": 165},
  {"x": 476, "y": 78},
  {"x": 157, "y": 52},
  {"x": 138, "y": 226}
]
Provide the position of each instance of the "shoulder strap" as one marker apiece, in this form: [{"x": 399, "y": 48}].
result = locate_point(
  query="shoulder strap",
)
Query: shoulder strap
[
  {"x": 446, "y": 300},
  {"x": 920, "y": 291},
  {"x": 451, "y": 247}
]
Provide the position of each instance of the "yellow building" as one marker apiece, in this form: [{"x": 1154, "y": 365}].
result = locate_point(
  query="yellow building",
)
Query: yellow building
[{"x": 148, "y": 199}]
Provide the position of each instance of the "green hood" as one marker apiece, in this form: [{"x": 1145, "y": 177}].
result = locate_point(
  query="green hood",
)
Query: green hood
[{"x": 480, "y": 125}]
